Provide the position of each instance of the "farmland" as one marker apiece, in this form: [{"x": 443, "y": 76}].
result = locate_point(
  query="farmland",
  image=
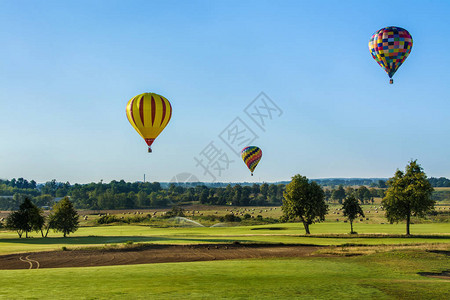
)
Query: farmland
[
  {"x": 383, "y": 275},
  {"x": 378, "y": 262}
]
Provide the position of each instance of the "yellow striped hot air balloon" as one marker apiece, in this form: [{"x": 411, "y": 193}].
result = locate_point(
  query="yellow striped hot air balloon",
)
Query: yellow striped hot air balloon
[{"x": 149, "y": 114}]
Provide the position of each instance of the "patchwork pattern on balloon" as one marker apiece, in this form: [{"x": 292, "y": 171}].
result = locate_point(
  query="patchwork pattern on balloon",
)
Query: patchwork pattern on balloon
[
  {"x": 390, "y": 46},
  {"x": 251, "y": 156}
]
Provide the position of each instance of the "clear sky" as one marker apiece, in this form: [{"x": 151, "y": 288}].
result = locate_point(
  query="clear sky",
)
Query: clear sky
[{"x": 68, "y": 68}]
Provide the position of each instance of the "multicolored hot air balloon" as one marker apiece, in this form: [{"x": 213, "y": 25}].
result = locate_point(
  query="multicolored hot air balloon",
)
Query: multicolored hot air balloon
[
  {"x": 251, "y": 156},
  {"x": 149, "y": 114},
  {"x": 390, "y": 46}
]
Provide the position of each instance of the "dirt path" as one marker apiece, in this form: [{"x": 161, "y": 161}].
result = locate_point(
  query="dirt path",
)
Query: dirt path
[{"x": 150, "y": 254}]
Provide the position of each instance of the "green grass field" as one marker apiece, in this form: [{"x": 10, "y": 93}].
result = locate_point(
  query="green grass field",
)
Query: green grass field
[
  {"x": 322, "y": 234},
  {"x": 387, "y": 273},
  {"x": 391, "y": 275}
]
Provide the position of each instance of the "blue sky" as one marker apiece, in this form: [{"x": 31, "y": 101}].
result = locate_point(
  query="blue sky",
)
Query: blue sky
[{"x": 68, "y": 68}]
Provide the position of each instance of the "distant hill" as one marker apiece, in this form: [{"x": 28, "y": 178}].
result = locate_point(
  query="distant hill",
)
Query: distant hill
[{"x": 321, "y": 181}]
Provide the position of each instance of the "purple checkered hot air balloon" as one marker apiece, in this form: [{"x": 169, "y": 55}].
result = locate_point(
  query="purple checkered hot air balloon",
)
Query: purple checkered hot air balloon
[{"x": 390, "y": 46}]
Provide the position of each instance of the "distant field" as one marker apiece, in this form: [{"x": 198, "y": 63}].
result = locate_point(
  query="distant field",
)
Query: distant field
[
  {"x": 390, "y": 275},
  {"x": 374, "y": 214}
]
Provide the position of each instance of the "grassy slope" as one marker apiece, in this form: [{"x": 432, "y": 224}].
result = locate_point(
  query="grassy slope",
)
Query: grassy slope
[
  {"x": 291, "y": 233},
  {"x": 379, "y": 276}
]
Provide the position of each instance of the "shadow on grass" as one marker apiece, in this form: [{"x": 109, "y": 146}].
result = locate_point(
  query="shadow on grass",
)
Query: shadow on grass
[
  {"x": 94, "y": 240},
  {"x": 377, "y": 236}
]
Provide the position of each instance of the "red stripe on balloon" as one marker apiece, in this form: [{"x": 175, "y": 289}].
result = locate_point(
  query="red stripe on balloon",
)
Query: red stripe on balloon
[
  {"x": 163, "y": 111},
  {"x": 131, "y": 110},
  {"x": 141, "y": 109},
  {"x": 153, "y": 110},
  {"x": 170, "y": 113}
]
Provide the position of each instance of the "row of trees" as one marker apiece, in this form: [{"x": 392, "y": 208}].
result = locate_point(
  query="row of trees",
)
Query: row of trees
[
  {"x": 362, "y": 193},
  {"x": 125, "y": 195},
  {"x": 408, "y": 194},
  {"x": 29, "y": 217}
]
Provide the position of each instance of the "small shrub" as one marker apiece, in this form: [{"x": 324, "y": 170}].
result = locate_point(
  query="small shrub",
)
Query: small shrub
[
  {"x": 231, "y": 218},
  {"x": 64, "y": 248},
  {"x": 176, "y": 211},
  {"x": 108, "y": 219}
]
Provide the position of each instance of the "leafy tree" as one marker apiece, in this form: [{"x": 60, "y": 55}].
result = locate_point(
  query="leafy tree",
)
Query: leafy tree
[
  {"x": 50, "y": 187},
  {"x": 176, "y": 211},
  {"x": 351, "y": 210},
  {"x": 28, "y": 218},
  {"x": 47, "y": 226},
  {"x": 16, "y": 221},
  {"x": 408, "y": 194},
  {"x": 381, "y": 193},
  {"x": 363, "y": 194},
  {"x": 382, "y": 184},
  {"x": 349, "y": 191},
  {"x": 43, "y": 200},
  {"x": 338, "y": 194},
  {"x": 264, "y": 189},
  {"x": 304, "y": 200},
  {"x": 64, "y": 218}
]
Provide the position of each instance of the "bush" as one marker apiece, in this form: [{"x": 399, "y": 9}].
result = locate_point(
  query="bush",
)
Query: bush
[
  {"x": 176, "y": 211},
  {"x": 230, "y": 218},
  {"x": 107, "y": 219},
  {"x": 135, "y": 219}
]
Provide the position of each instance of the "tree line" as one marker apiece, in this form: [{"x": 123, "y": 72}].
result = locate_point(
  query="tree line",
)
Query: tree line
[
  {"x": 408, "y": 194},
  {"x": 127, "y": 195},
  {"x": 141, "y": 195}
]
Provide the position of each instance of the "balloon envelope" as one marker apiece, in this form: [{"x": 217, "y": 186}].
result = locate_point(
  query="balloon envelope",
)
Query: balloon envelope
[
  {"x": 390, "y": 46},
  {"x": 149, "y": 114},
  {"x": 251, "y": 156}
]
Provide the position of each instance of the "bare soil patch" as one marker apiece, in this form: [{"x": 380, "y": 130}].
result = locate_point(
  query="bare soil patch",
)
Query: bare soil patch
[{"x": 146, "y": 254}]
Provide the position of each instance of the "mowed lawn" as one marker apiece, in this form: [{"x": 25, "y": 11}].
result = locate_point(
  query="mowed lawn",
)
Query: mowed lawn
[
  {"x": 389, "y": 275},
  {"x": 322, "y": 234}
]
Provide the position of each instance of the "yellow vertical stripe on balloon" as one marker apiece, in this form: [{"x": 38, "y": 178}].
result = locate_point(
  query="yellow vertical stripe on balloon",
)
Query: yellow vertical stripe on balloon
[
  {"x": 153, "y": 115},
  {"x": 168, "y": 112},
  {"x": 131, "y": 108},
  {"x": 159, "y": 112}
]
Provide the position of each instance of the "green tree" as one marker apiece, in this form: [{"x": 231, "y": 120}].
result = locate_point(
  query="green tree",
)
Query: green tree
[
  {"x": 176, "y": 211},
  {"x": 28, "y": 218},
  {"x": 363, "y": 194},
  {"x": 65, "y": 217},
  {"x": 382, "y": 184},
  {"x": 338, "y": 194},
  {"x": 304, "y": 200},
  {"x": 142, "y": 199},
  {"x": 16, "y": 221},
  {"x": 408, "y": 194},
  {"x": 351, "y": 210}
]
